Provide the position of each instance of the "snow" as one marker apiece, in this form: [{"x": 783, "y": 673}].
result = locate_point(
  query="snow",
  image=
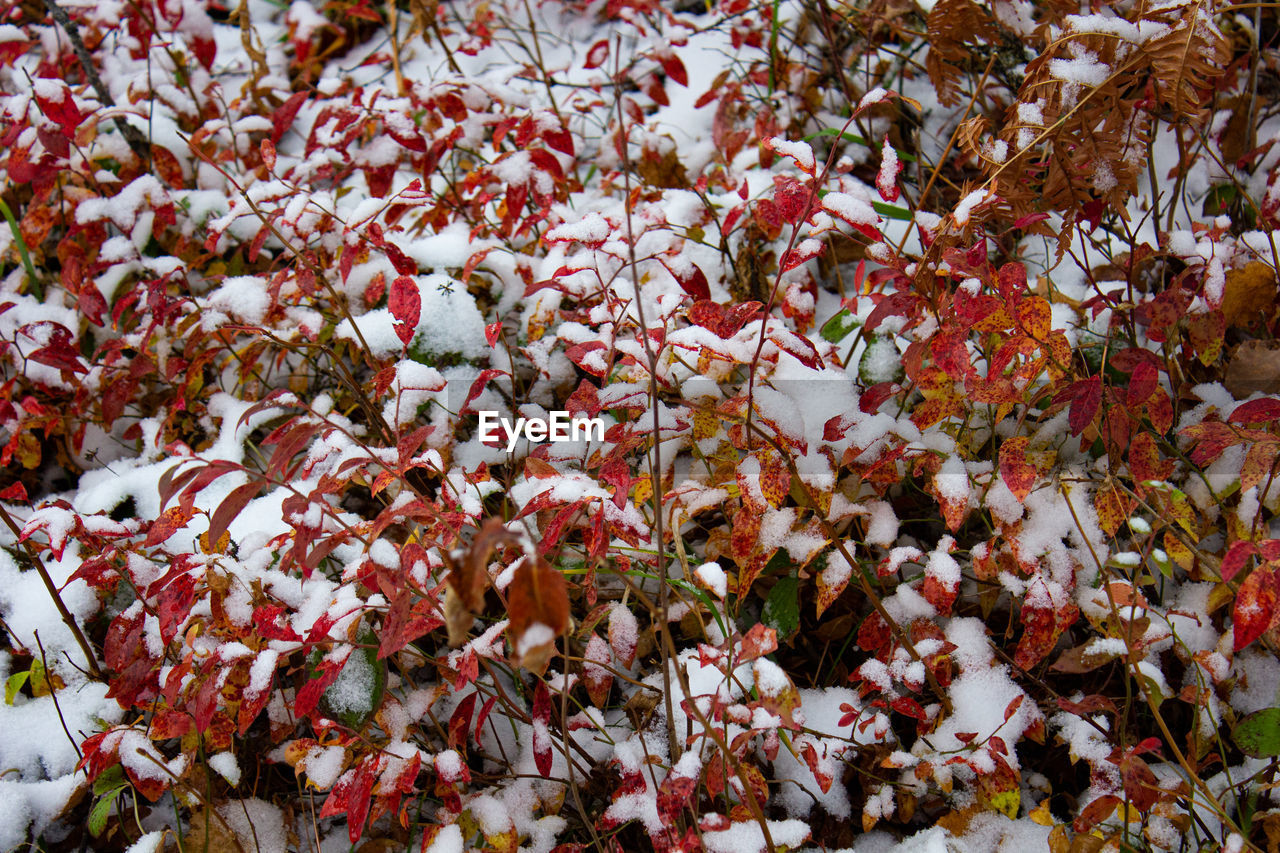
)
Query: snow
[
  {"x": 624, "y": 632},
  {"x": 967, "y": 205},
  {"x": 886, "y": 180},
  {"x": 225, "y": 765},
  {"x": 323, "y": 765},
  {"x": 449, "y": 322},
  {"x": 1083, "y": 71},
  {"x": 151, "y": 842},
  {"x": 881, "y": 361},
  {"x": 258, "y": 825},
  {"x": 32, "y": 805},
  {"x": 747, "y": 837},
  {"x": 712, "y": 577},
  {"x": 801, "y": 152},
  {"x": 448, "y": 839}
]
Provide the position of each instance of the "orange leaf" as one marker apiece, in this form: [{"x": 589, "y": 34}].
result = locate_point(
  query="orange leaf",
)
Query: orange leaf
[
  {"x": 1114, "y": 508},
  {"x": 538, "y": 595},
  {"x": 1034, "y": 317},
  {"x": 1018, "y": 474}
]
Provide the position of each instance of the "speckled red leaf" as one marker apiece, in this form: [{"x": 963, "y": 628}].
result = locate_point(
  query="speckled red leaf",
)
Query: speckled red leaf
[
  {"x": 1018, "y": 474},
  {"x": 1255, "y": 606}
]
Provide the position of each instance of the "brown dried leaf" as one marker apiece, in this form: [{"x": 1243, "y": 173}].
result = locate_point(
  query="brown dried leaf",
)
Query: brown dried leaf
[
  {"x": 469, "y": 577},
  {"x": 1253, "y": 367},
  {"x": 538, "y": 595},
  {"x": 1249, "y": 295}
]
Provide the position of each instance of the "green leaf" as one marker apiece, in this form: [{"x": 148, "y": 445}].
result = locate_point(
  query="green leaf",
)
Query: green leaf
[
  {"x": 893, "y": 211},
  {"x": 880, "y": 361},
  {"x": 109, "y": 780},
  {"x": 356, "y": 694},
  {"x": 839, "y": 327},
  {"x": 13, "y": 684},
  {"x": 782, "y": 607},
  {"x": 37, "y": 288},
  {"x": 102, "y": 811},
  {"x": 1258, "y": 734}
]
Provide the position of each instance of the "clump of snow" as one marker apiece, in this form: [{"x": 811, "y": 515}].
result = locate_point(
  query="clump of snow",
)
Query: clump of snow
[
  {"x": 712, "y": 577},
  {"x": 448, "y": 839},
  {"x": 258, "y": 825},
  {"x": 352, "y": 691},
  {"x": 243, "y": 297},
  {"x": 323, "y": 765},
  {"x": 968, "y": 204},
  {"x": 225, "y": 765},
  {"x": 747, "y": 836}
]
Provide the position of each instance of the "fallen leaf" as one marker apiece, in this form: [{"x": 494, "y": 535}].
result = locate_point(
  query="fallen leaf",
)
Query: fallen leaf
[
  {"x": 1249, "y": 294},
  {"x": 1254, "y": 367}
]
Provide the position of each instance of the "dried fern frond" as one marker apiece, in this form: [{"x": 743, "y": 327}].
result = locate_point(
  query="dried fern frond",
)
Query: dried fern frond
[
  {"x": 1187, "y": 59},
  {"x": 955, "y": 28},
  {"x": 1082, "y": 124}
]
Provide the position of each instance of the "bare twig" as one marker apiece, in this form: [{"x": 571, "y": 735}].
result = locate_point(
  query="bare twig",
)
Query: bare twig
[
  {"x": 67, "y": 618},
  {"x": 131, "y": 134}
]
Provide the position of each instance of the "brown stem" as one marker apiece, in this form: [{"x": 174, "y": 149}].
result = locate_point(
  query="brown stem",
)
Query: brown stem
[
  {"x": 131, "y": 134},
  {"x": 67, "y": 618}
]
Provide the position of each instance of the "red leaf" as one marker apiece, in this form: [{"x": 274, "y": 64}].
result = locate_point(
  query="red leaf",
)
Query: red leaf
[
  {"x": 404, "y": 264},
  {"x": 541, "y": 728},
  {"x": 758, "y": 642},
  {"x": 270, "y": 623},
  {"x": 268, "y": 150},
  {"x": 559, "y": 139},
  {"x": 693, "y": 282},
  {"x": 623, "y": 634},
  {"x": 798, "y": 346},
  {"x": 16, "y": 492},
  {"x": 1142, "y": 382},
  {"x": 675, "y": 69},
  {"x": 1096, "y": 812},
  {"x": 460, "y": 721},
  {"x": 598, "y": 53},
  {"x": 282, "y": 118},
  {"x": 492, "y": 332},
  {"x": 538, "y": 594},
  {"x": 231, "y": 507},
  {"x": 1256, "y": 411},
  {"x": 909, "y": 707},
  {"x": 1255, "y": 606},
  {"x": 790, "y": 197},
  {"x": 477, "y": 386},
  {"x": 1235, "y": 558},
  {"x": 61, "y": 357},
  {"x": 1086, "y": 397},
  {"x": 173, "y": 605},
  {"x": 887, "y": 178},
  {"x": 360, "y": 794},
  {"x": 169, "y": 522},
  {"x": 405, "y": 303},
  {"x": 63, "y": 110}
]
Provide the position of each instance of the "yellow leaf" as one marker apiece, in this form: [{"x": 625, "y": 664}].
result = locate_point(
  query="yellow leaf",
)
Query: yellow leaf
[
  {"x": 1007, "y": 802},
  {"x": 1040, "y": 814},
  {"x": 1249, "y": 294},
  {"x": 641, "y": 491}
]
